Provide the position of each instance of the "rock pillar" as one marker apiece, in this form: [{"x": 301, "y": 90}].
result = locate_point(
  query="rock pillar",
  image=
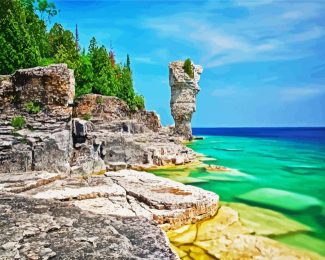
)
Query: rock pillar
[{"x": 184, "y": 89}]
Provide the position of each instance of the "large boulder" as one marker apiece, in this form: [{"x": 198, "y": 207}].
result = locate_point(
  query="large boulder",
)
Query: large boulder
[{"x": 183, "y": 96}]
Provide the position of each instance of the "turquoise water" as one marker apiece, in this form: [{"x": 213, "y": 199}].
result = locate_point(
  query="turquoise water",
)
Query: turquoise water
[{"x": 284, "y": 175}]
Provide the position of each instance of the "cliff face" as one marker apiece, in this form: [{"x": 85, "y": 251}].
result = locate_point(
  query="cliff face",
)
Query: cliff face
[
  {"x": 88, "y": 135},
  {"x": 183, "y": 96},
  {"x": 118, "y": 138},
  {"x": 44, "y": 142}
]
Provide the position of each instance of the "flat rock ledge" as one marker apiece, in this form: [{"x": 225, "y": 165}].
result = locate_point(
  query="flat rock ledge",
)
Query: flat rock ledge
[
  {"x": 125, "y": 193},
  {"x": 45, "y": 229}
]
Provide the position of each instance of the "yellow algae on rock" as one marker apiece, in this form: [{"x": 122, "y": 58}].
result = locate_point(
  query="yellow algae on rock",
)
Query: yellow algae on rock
[
  {"x": 201, "y": 256},
  {"x": 265, "y": 221},
  {"x": 214, "y": 227},
  {"x": 194, "y": 252},
  {"x": 178, "y": 251},
  {"x": 215, "y": 246},
  {"x": 176, "y": 232},
  {"x": 186, "y": 237},
  {"x": 225, "y": 237}
]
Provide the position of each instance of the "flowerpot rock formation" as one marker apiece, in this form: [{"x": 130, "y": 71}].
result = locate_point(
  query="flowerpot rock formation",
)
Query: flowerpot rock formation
[{"x": 184, "y": 89}]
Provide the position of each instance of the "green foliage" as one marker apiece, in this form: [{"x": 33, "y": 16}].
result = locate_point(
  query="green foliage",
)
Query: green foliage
[
  {"x": 33, "y": 107},
  {"x": 188, "y": 68},
  {"x": 18, "y": 122},
  {"x": 26, "y": 42},
  {"x": 84, "y": 76},
  {"x": 99, "y": 100},
  {"x": 19, "y": 48},
  {"x": 128, "y": 62},
  {"x": 45, "y": 7},
  {"x": 139, "y": 102},
  {"x": 63, "y": 46},
  {"x": 47, "y": 61},
  {"x": 87, "y": 117}
]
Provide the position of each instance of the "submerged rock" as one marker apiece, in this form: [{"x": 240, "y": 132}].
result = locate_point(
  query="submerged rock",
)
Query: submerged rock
[
  {"x": 281, "y": 199},
  {"x": 265, "y": 221},
  {"x": 183, "y": 96},
  {"x": 225, "y": 237}
]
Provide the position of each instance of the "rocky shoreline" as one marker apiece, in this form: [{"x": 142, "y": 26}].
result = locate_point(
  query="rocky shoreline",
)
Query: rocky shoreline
[{"x": 69, "y": 188}]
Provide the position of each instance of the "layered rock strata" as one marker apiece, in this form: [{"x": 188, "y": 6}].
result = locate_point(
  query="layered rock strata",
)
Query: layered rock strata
[
  {"x": 117, "y": 138},
  {"x": 184, "y": 89},
  {"x": 45, "y": 140},
  {"x": 125, "y": 193},
  {"x": 98, "y": 133}
]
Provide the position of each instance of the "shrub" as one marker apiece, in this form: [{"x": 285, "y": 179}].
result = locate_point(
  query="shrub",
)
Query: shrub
[
  {"x": 139, "y": 102},
  {"x": 87, "y": 117},
  {"x": 33, "y": 107},
  {"x": 18, "y": 122},
  {"x": 188, "y": 68},
  {"x": 99, "y": 100}
]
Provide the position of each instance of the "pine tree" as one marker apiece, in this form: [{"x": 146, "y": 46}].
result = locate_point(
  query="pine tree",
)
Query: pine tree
[
  {"x": 92, "y": 46},
  {"x": 128, "y": 63},
  {"x": 19, "y": 48},
  {"x": 77, "y": 38},
  {"x": 111, "y": 56}
]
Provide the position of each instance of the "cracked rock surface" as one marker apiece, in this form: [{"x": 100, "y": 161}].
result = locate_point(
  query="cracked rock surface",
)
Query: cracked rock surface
[
  {"x": 45, "y": 229},
  {"x": 125, "y": 193}
]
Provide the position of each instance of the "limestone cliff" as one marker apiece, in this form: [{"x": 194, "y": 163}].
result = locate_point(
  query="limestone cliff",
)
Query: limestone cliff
[
  {"x": 84, "y": 136},
  {"x": 43, "y": 141},
  {"x": 183, "y": 96}
]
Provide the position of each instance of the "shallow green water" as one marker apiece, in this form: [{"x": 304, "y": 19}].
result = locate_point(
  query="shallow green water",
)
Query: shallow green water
[{"x": 285, "y": 176}]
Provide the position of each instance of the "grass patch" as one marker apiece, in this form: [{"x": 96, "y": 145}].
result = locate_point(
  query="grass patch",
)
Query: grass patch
[
  {"x": 32, "y": 107},
  {"x": 188, "y": 68},
  {"x": 18, "y": 122},
  {"x": 87, "y": 117}
]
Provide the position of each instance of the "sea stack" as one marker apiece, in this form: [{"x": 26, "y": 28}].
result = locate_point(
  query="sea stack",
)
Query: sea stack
[{"x": 184, "y": 88}]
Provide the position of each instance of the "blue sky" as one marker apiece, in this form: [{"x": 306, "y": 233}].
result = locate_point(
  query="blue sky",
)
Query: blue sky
[{"x": 264, "y": 60}]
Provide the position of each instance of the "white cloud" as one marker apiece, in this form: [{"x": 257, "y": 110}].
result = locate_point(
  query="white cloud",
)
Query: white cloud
[
  {"x": 291, "y": 94},
  {"x": 269, "y": 79},
  {"x": 146, "y": 60},
  {"x": 292, "y": 15},
  {"x": 224, "y": 91},
  {"x": 313, "y": 33},
  {"x": 269, "y": 34},
  {"x": 252, "y": 3}
]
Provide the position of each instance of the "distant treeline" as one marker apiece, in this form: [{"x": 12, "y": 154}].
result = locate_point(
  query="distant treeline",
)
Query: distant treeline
[{"x": 25, "y": 42}]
